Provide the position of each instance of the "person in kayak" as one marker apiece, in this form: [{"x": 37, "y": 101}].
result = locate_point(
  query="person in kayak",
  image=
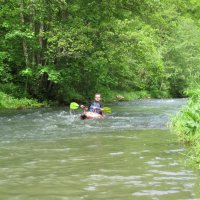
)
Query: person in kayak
[{"x": 95, "y": 106}]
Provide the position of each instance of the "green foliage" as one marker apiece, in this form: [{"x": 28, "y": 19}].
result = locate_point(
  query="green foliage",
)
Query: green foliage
[
  {"x": 184, "y": 56},
  {"x": 52, "y": 73},
  {"x": 187, "y": 124},
  {"x": 27, "y": 72},
  {"x": 5, "y": 75},
  {"x": 110, "y": 96},
  {"x": 7, "y": 101},
  {"x": 11, "y": 89},
  {"x": 193, "y": 92}
]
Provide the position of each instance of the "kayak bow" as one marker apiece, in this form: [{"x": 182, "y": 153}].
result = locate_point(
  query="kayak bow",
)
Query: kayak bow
[{"x": 91, "y": 115}]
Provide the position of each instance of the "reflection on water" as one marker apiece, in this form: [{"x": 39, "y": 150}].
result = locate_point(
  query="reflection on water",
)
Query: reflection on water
[{"x": 49, "y": 154}]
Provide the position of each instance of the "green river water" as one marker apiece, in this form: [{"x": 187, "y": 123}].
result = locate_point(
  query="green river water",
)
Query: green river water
[{"x": 50, "y": 154}]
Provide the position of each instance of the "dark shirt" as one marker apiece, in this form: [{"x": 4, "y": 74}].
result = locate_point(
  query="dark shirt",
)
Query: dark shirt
[{"x": 95, "y": 107}]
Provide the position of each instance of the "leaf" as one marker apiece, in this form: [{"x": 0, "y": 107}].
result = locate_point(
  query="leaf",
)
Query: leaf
[{"x": 27, "y": 72}]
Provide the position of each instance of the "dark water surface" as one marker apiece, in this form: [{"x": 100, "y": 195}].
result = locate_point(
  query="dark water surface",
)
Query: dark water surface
[{"x": 49, "y": 154}]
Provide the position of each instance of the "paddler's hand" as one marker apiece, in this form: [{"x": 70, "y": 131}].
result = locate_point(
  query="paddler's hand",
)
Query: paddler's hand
[
  {"x": 98, "y": 108},
  {"x": 83, "y": 107}
]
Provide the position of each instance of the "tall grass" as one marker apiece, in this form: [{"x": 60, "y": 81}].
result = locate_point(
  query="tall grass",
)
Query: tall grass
[
  {"x": 187, "y": 124},
  {"x": 8, "y": 101}
]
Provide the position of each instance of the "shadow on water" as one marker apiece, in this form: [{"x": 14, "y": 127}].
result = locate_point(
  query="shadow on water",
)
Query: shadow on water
[{"x": 50, "y": 154}]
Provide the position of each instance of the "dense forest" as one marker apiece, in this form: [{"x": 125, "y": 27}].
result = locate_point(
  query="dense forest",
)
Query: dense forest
[{"x": 65, "y": 50}]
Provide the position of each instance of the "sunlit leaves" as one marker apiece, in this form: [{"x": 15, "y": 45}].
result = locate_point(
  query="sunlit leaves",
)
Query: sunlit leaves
[
  {"x": 84, "y": 46},
  {"x": 27, "y": 72},
  {"x": 53, "y": 74}
]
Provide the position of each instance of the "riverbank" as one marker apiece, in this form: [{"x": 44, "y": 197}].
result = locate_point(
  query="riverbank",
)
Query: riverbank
[
  {"x": 112, "y": 96},
  {"x": 186, "y": 125},
  {"x": 9, "y": 101}
]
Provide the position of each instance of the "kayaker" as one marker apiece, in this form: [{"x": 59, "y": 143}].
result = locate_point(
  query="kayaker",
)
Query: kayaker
[{"x": 95, "y": 106}]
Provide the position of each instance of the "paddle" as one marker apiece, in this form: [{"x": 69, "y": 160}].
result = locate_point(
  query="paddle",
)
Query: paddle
[{"x": 75, "y": 106}]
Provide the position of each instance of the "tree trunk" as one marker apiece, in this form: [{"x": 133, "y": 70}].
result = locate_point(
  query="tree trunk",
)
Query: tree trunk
[
  {"x": 33, "y": 28},
  {"x": 41, "y": 42},
  {"x": 25, "y": 47},
  {"x": 24, "y": 43}
]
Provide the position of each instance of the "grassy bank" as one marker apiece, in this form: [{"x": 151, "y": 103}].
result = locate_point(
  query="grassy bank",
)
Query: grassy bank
[
  {"x": 112, "y": 96},
  {"x": 8, "y": 101},
  {"x": 186, "y": 124}
]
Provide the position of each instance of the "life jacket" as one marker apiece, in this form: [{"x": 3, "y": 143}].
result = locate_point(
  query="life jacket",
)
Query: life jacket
[{"x": 95, "y": 107}]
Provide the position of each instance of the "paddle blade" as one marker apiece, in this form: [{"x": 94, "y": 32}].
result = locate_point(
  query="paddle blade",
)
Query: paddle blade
[
  {"x": 106, "y": 109},
  {"x": 74, "y": 106}
]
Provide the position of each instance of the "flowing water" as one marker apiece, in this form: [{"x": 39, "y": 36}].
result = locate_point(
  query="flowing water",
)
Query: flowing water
[{"x": 50, "y": 154}]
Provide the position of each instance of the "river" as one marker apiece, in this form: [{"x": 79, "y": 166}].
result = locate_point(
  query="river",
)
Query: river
[{"x": 50, "y": 154}]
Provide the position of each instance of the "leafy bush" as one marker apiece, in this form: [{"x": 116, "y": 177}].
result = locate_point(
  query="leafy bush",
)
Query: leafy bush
[
  {"x": 11, "y": 89},
  {"x": 7, "y": 101},
  {"x": 187, "y": 124},
  {"x": 110, "y": 96}
]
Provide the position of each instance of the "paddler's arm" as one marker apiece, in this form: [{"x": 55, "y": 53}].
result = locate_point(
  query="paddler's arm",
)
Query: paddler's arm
[
  {"x": 101, "y": 108},
  {"x": 85, "y": 108}
]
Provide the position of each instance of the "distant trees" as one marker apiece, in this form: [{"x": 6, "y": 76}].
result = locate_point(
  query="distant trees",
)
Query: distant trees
[{"x": 63, "y": 50}]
